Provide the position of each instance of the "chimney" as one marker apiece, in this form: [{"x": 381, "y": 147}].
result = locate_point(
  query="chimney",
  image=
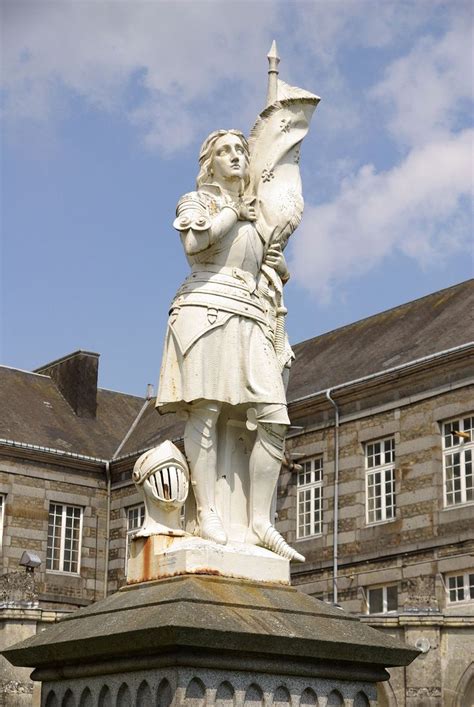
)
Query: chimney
[{"x": 75, "y": 375}]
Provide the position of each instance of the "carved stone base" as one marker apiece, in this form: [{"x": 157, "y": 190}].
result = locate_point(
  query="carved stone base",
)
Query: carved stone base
[
  {"x": 167, "y": 687},
  {"x": 201, "y": 641},
  {"x": 161, "y": 556}
]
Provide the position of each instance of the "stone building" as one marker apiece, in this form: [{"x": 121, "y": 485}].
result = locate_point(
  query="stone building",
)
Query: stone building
[
  {"x": 376, "y": 492},
  {"x": 384, "y": 414},
  {"x": 57, "y": 432}
]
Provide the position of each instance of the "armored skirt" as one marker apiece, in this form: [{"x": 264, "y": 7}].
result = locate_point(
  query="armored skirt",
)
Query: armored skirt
[{"x": 233, "y": 362}]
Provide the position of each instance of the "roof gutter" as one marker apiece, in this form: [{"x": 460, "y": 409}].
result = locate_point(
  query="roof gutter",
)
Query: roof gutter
[
  {"x": 50, "y": 450},
  {"x": 385, "y": 371}
]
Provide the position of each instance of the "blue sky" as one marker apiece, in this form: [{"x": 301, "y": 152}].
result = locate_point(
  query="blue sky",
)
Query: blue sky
[{"x": 105, "y": 105}]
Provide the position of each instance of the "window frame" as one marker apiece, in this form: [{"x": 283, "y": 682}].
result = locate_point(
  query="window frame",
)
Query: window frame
[
  {"x": 466, "y": 586},
  {"x": 315, "y": 487},
  {"x": 62, "y": 540},
  {"x": 383, "y": 469},
  {"x": 384, "y": 588},
  {"x": 460, "y": 448},
  {"x": 130, "y": 531}
]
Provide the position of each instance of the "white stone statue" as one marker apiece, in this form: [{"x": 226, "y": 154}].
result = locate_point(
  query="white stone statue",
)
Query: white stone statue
[{"x": 226, "y": 354}]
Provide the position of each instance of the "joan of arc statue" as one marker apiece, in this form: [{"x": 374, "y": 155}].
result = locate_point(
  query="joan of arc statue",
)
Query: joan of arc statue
[{"x": 225, "y": 343}]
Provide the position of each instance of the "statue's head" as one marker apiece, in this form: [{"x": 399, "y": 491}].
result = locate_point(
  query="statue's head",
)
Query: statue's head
[{"x": 213, "y": 162}]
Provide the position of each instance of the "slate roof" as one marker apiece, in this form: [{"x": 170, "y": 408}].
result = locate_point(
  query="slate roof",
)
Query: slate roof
[
  {"x": 33, "y": 410},
  {"x": 437, "y": 322},
  {"x": 152, "y": 429}
]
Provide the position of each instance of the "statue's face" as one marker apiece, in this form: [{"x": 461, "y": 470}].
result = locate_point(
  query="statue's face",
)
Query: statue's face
[{"x": 228, "y": 162}]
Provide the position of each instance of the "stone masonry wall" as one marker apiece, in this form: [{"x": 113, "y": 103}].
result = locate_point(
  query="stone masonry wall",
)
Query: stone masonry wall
[
  {"x": 414, "y": 551},
  {"x": 29, "y": 488},
  {"x": 421, "y": 519}
]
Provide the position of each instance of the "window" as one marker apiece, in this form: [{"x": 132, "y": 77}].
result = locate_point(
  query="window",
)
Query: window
[
  {"x": 460, "y": 587},
  {"x": 380, "y": 600},
  {"x": 64, "y": 538},
  {"x": 2, "y": 513},
  {"x": 310, "y": 498},
  {"x": 380, "y": 480},
  {"x": 135, "y": 518},
  {"x": 458, "y": 445}
]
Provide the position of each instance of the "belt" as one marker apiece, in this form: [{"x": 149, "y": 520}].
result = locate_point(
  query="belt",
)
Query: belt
[
  {"x": 221, "y": 291},
  {"x": 222, "y": 273}
]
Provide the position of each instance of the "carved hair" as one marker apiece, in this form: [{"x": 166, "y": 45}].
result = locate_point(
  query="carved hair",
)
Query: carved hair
[{"x": 206, "y": 156}]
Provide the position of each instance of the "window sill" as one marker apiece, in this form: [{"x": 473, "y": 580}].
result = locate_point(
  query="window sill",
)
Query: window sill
[
  {"x": 380, "y": 522},
  {"x": 63, "y": 573},
  {"x": 456, "y": 506},
  {"x": 309, "y": 537}
]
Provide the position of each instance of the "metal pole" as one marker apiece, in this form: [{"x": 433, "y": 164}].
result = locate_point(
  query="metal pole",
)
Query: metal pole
[{"x": 336, "y": 496}]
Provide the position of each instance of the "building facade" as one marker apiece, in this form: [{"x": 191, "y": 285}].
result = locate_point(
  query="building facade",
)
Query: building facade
[{"x": 376, "y": 491}]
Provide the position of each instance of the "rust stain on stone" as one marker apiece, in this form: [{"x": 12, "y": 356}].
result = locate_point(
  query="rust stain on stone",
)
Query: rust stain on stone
[{"x": 146, "y": 558}]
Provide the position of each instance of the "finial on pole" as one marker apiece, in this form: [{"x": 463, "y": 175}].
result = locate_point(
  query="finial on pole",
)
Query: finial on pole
[{"x": 273, "y": 61}]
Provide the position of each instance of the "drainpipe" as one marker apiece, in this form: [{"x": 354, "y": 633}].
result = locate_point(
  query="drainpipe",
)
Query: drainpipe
[
  {"x": 108, "y": 477},
  {"x": 336, "y": 496}
]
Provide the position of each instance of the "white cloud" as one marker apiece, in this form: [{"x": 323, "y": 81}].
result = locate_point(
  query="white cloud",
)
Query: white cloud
[
  {"x": 165, "y": 66},
  {"x": 178, "y": 51},
  {"x": 426, "y": 89},
  {"x": 325, "y": 28},
  {"x": 408, "y": 208},
  {"x": 417, "y": 207},
  {"x": 339, "y": 37}
]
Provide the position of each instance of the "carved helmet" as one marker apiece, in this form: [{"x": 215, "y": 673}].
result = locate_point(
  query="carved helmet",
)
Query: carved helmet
[{"x": 163, "y": 474}]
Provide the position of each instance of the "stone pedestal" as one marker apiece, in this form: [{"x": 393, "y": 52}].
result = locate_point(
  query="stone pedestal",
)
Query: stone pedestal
[
  {"x": 203, "y": 640},
  {"x": 161, "y": 556}
]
